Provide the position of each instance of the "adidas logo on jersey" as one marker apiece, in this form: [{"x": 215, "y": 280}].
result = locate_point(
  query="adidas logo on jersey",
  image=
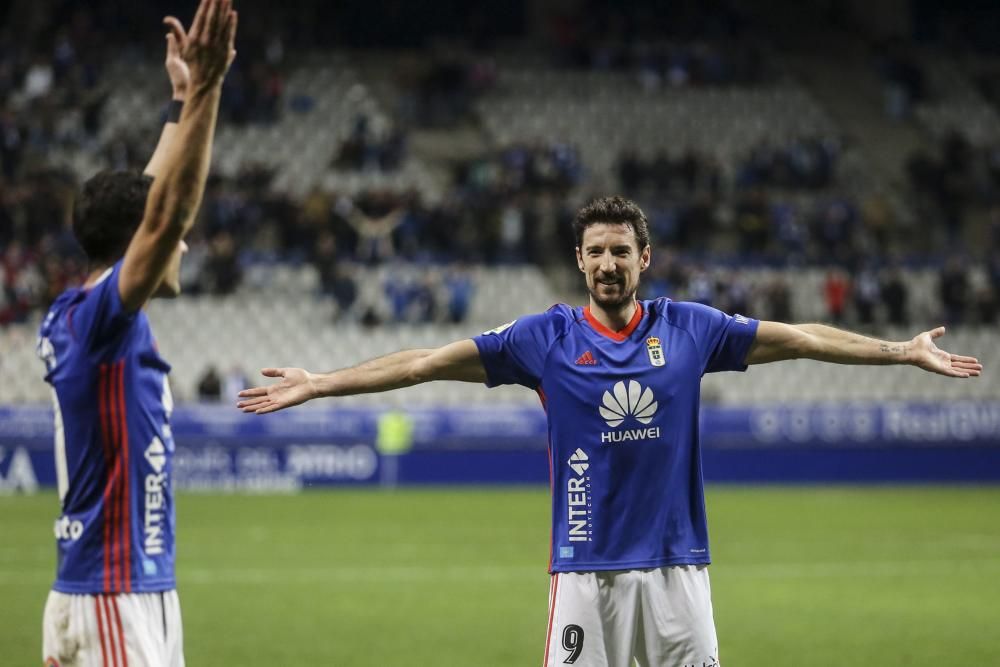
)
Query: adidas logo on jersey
[
  {"x": 587, "y": 359},
  {"x": 625, "y": 400}
]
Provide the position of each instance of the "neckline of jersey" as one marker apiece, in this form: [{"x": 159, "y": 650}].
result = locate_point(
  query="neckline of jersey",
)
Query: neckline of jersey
[{"x": 621, "y": 334}]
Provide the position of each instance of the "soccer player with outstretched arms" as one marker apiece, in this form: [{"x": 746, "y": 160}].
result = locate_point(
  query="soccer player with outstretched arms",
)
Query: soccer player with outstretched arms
[
  {"x": 620, "y": 381},
  {"x": 114, "y": 600}
]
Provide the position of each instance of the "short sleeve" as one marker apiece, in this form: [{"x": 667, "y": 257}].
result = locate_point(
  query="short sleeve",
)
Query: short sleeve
[
  {"x": 100, "y": 314},
  {"x": 723, "y": 340},
  {"x": 515, "y": 353}
]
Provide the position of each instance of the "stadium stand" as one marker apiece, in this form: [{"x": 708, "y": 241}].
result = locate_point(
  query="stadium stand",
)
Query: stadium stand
[{"x": 757, "y": 201}]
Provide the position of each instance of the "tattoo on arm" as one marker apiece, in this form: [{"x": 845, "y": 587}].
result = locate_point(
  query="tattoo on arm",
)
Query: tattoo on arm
[{"x": 890, "y": 349}]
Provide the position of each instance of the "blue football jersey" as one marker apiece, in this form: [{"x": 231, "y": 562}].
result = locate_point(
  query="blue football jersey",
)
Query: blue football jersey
[
  {"x": 113, "y": 445},
  {"x": 624, "y": 454}
]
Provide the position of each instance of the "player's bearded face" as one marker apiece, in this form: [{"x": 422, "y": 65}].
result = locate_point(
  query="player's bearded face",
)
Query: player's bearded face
[{"x": 611, "y": 261}]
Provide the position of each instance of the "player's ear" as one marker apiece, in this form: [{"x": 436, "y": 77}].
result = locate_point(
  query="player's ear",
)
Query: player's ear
[
  {"x": 579, "y": 260},
  {"x": 644, "y": 258}
]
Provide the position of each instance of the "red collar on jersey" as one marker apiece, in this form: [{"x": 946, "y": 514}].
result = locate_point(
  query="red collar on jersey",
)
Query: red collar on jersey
[{"x": 620, "y": 335}]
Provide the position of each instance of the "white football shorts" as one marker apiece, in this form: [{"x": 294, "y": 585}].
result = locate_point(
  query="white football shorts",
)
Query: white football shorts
[
  {"x": 113, "y": 630},
  {"x": 659, "y": 617}
]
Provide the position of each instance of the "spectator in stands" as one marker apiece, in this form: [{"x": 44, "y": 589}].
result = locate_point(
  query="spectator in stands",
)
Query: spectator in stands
[
  {"x": 400, "y": 291},
  {"x": 629, "y": 171},
  {"x": 459, "y": 288},
  {"x": 953, "y": 288},
  {"x": 233, "y": 383},
  {"x": 210, "y": 385},
  {"x": 904, "y": 81},
  {"x": 866, "y": 295},
  {"x": 735, "y": 294},
  {"x": 267, "y": 88},
  {"x": 987, "y": 304},
  {"x": 222, "y": 272},
  {"x": 11, "y": 144},
  {"x": 325, "y": 260},
  {"x": 877, "y": 215},
  {"x": 701, "y": 289},
  {"x": 835, "y": 225},
  {"x": 836, "y": 291},
  {"x": 778, "y": 300},
  {"x": 344, "y": 290},
  {"x": 375, "y": 231},
  {"x": 445, "y": 91},
  {"x": 512, "y": 233},
  {"x": 752, "y": 222},
  {"x": 894, "y": 295}
]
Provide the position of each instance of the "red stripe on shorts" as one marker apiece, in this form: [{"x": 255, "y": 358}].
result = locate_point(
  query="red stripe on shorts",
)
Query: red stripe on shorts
[
  {"x": 100, "y": 630},
  {"x": 121, "y": 635},
  {"x": 552, "y": 614},
  {"x": 111, "y": 630}
]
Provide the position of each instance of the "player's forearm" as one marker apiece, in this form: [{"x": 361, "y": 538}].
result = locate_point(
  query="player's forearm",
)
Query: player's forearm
[
  {"x": 393, "y": 371},
  {"x": 177, "y": 191},
  {"x": 167, "y": 136},
  {"x": 825, "y": 343}
]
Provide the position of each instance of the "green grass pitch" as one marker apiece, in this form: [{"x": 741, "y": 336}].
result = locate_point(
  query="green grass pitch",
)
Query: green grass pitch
[{"x": 906, "y": 576}]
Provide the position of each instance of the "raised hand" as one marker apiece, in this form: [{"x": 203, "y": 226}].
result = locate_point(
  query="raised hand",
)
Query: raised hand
[
  {"x": 295, "y": 387},
  {"x": 925, "y": 354},
  {"x": 177, "y": 69},
  {"x": 209, "y": 47}
]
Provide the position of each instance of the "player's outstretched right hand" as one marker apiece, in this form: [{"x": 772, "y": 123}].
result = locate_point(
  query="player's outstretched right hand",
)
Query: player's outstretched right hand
[
  {"x": 209, "y": 47},
  {"x": 296, "y": 386}
]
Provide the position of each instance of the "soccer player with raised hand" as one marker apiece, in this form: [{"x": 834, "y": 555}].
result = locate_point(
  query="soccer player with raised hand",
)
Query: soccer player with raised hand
[
  {"x": 620, "y": 382},
  {"x": 114, "y": 600}
]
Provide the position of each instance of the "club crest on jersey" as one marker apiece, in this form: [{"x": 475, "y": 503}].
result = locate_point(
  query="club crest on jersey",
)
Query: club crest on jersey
[{"x": 655, "y": 351}]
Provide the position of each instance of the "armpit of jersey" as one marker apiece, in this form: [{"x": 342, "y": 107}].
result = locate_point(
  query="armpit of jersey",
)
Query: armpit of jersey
[
  {"x": 515, "y": 353},
  {"x": 100, "y": 313}
]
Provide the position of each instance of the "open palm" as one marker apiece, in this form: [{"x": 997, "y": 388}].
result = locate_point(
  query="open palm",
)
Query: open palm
[
  {"x": 294, "y": 388},
  {"x": 927, "y": 355}
]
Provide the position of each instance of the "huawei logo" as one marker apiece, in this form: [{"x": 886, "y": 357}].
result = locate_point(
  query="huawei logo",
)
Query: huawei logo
[{"x": 628, "y": 399}]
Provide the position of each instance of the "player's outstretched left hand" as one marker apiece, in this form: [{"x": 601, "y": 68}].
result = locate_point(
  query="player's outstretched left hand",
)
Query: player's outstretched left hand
[
  {"x": 296, "y": 386},
  {"x": 925, "y": 354}
]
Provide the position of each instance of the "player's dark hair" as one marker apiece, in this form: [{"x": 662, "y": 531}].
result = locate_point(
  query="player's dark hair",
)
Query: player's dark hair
[
  {"x": 613, "y": 211},
  {"x": 107, "y": 212}
]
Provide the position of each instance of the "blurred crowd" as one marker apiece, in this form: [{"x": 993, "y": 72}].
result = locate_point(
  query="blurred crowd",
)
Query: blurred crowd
[
  {"x": 701, "y": 44},
  {"x": 956, "y": 179},
  {"x": 872, "y": 295},
  {"x": 780, "y": 205}
]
